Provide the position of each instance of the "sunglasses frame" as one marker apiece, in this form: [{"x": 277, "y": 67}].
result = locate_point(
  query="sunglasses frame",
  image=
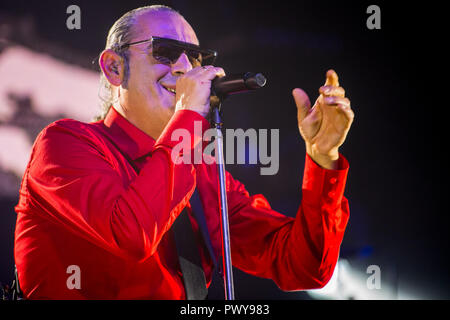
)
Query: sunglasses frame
[{"x": 205, "y": 53}]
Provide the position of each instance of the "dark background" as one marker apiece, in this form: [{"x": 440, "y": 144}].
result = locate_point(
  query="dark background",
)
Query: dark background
[{"x": 396, "y": 220}]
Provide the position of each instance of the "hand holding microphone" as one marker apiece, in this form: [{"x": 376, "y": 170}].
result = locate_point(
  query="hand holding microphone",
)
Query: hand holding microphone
[{"x": 195, "y": 88}]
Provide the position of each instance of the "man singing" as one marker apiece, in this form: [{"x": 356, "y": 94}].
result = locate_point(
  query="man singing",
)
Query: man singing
[{"x": 99, "y": 202}]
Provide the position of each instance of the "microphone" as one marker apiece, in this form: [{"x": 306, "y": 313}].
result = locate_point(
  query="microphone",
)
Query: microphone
[{"x": 237, "y": 83}]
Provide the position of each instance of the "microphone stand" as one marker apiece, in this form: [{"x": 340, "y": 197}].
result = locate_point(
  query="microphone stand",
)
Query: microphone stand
[
  {"x": 232, "y": 84},
  {"x": 226, "y": 249}
]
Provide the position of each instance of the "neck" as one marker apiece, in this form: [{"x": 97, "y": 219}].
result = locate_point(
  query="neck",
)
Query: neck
[{"x": 153, "y": 125}]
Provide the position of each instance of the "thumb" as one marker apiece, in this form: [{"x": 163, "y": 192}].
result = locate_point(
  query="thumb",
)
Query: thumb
[{"x": 302, "y": 102}]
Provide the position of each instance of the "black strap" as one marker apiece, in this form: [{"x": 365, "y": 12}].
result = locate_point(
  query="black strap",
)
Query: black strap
[
  {"x": 216, "y": 289},
  {"x": 17, "y": 292},
  {"x": 12, "y": 292},
  {"x": 199, "y": 214},
  {"x": 189, "y": 257}
]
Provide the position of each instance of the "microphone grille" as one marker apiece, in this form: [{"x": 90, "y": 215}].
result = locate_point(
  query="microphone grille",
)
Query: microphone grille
[{"x": 260, "y": 79}]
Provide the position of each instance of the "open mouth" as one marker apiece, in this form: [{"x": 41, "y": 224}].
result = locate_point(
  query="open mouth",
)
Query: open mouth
[{"x": 171, "y": 90}]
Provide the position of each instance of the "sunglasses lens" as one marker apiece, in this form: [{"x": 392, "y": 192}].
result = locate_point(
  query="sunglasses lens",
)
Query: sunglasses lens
[
  {"x": 208, "y": 59},
  {"x": 195, "y": 57},
  {"x": 167, "y": 53}
]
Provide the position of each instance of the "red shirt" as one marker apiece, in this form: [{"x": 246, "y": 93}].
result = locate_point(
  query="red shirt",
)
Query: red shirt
[{"x": 101, "y": 196}]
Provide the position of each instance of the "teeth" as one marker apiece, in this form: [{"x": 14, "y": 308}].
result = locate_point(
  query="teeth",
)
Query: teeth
[{"x": 171, "y": 90}]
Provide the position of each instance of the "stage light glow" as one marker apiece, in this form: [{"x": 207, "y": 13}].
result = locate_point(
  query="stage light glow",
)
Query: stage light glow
[{"x": 350, "y": 283}]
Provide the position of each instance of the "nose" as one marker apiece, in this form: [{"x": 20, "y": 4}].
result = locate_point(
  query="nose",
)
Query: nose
[{"x": 182, "y": 65}]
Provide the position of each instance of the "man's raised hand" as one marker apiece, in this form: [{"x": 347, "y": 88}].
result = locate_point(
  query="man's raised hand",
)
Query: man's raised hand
[{"x": 324, "y": 127}]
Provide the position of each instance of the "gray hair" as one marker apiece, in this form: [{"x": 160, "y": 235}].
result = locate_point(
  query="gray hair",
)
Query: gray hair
[{"x": 120, "y": 34}]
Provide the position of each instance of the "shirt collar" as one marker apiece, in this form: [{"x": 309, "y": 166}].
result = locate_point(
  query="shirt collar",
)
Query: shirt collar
[{"x": 132, "y": 141}]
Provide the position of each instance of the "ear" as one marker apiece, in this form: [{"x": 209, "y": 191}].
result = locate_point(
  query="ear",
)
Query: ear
[{"x": 112, "y": 67}]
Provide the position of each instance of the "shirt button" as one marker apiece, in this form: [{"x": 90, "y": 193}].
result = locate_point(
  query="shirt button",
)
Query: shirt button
[
  {"x": 331, "y": 194},
  {"x": 333, "y": 180}
]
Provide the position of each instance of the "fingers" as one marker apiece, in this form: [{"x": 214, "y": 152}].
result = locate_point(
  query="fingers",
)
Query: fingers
[
  {"x": 332, "y": 91},
  {"x": 331, "y": 87},
  {"x": 302, "y": 102},
  {"x": 210, "y": 72},
  {"x": 193, "y": 89},
  {"x": 332, "y": 78},
  {"x": 334, "y": 95},
  {"x": 341, "y": 104},
  {"x": 347, "y": 111},
  {"x": 336, "y": 101},
  {"x": 331, "y": 94}
]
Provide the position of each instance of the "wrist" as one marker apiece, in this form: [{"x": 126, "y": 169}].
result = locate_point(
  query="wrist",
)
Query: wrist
[
  {"x": 325, "y": 160},
  {"x": 200, "y": 109}
]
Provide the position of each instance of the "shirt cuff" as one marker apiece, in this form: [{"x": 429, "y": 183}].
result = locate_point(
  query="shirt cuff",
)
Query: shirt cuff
[
  {"x": 185, "y": 132},
  {"x": 320, "y": 183}
]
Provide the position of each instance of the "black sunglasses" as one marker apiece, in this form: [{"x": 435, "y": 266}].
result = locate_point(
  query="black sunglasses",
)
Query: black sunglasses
[{"x": 168, "y": 51}]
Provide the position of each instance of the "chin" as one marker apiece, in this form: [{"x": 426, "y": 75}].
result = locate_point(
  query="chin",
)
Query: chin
[{"x": 170, "y": 112}]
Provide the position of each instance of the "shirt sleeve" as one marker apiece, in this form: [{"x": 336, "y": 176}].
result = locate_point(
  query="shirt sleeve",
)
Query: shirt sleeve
[
  {"x": 297, "y": 253},
  {"x": 75, "y": 184}
]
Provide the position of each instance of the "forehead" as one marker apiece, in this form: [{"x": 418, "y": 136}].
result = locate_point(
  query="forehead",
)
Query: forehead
[{"x": 163, "y": 24}]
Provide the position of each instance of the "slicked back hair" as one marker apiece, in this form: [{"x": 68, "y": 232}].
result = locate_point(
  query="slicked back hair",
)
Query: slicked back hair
[{"x": 119, "y": 34}]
